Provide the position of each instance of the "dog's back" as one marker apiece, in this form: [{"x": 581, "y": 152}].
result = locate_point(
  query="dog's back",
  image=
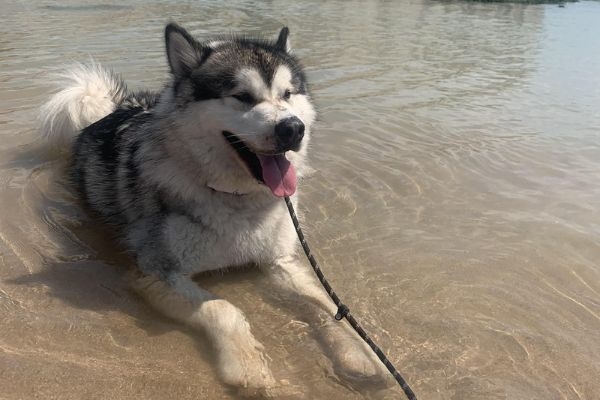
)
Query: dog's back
[{"x": 104, "y": 166}]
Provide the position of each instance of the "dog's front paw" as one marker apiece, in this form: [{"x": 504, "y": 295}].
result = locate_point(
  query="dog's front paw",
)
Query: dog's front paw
[
  {"x": 355, "y": 361},
  {"x": 243, "y": 366}
]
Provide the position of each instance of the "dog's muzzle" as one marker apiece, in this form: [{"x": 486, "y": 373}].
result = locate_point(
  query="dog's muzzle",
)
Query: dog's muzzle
[{"x": 289, "y": 133}]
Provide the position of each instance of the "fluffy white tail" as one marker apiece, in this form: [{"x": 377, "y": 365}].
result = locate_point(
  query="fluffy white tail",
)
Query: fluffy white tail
[{"x": 89, "y": 94}]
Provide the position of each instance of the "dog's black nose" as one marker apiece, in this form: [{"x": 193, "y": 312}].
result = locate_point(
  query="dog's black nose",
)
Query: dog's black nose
[{"x": 289, "y": 133}]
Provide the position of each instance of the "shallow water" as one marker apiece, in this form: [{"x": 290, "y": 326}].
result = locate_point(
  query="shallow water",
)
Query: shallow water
[{"x": 454, "y": 203}]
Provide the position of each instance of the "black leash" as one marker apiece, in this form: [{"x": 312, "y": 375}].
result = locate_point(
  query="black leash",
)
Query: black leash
[{"x": 343, "y": 310}]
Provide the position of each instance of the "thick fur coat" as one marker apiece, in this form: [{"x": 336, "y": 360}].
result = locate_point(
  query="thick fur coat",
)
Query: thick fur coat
[{"x": 191, "y": 178}]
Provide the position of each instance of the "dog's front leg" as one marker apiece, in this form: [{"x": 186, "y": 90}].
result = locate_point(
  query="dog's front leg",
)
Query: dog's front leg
[
  {"x": 352, "y": 358},
  {"x": 241, "y": 362}
]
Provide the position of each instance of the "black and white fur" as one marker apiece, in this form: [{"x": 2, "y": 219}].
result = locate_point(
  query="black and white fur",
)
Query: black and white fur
[{"x": 185, "y": 198}]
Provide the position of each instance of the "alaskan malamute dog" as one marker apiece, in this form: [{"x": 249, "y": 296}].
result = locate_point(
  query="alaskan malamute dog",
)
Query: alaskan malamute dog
[{"x": 192, "y": 180}]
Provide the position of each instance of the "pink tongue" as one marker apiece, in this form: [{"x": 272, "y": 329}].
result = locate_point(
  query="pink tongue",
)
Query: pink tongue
[{"x": 279, "y": 174}]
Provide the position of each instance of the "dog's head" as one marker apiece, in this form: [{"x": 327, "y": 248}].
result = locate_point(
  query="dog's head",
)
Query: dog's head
[{"x": 240, "y": 109}]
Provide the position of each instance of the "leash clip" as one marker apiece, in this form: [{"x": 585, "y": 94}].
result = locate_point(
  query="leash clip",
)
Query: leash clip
[{"x": 342, "y": 312}]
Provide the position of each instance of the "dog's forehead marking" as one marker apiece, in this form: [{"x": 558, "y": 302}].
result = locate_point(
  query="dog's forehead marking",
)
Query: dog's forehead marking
[
  {"x": 251, "y": 80},
  {"x": 282, "y": 81}
]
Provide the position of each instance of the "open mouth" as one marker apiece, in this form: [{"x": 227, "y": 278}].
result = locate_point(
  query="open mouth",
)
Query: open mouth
[{"x": 273, "y": 170}]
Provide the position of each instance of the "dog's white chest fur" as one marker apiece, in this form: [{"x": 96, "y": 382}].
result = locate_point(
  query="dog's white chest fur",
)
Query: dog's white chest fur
[{"x": 223, "y": 237}]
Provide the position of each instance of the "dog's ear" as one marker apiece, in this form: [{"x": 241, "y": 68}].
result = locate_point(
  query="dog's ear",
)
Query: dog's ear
[
  {"x": 283, "y": 43},
  {"x": 183, "y": 51}
]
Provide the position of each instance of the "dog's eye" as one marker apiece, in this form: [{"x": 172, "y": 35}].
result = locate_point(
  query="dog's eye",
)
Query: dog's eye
[
  {"x": 244, "y": 98},
  {"x": 287, "y": 94}
]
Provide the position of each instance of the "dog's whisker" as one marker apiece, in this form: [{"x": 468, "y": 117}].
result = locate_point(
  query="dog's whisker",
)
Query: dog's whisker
[
  {"x": 239, "y": 142},
  {"x": 247, "y": 134}
]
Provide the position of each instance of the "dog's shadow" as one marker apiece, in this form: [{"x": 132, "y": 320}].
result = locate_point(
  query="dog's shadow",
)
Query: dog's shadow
[
  {"x": 96, "y": 276},
  {"x": 97, "y": 286}
]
